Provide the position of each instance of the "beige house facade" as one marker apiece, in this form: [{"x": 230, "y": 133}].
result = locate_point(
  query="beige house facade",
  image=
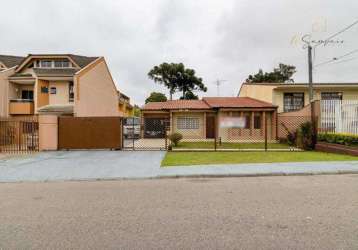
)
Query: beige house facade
[
  {"x": 61, "y": 84},
  {"x": 291, "y": 97},
  {"x": 206, "y": 119}
]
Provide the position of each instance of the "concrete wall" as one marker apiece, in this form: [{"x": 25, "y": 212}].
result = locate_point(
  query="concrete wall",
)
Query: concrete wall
[
  {"x": 95, "y": 91},
  {"x": 48, "y": 132},
  {"x": 4, "y": 92},
  {"x": 260, "y": 92},
  {"x": 62, "y": 93}
]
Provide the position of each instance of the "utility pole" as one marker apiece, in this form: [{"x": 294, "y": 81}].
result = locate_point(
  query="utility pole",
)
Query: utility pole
[
  {"x": 310, "y": 77},
  {"x": 311, "y": 95}
]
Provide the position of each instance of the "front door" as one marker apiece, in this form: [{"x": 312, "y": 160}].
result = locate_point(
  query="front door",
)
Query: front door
[{"x": 210, "y": 127}]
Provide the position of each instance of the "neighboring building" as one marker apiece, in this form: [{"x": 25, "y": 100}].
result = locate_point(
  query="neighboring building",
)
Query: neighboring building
[
  {"x": 206, "y": 118},
  {"x": 63, "y": 84},
  {"x": 124, "y": 106},
  {"x": 7, "y": 62},
  {"x": 294, "y": 96}
]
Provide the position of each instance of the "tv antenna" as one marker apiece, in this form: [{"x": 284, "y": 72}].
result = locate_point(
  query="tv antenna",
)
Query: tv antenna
[{"x": 218, "y": 84}]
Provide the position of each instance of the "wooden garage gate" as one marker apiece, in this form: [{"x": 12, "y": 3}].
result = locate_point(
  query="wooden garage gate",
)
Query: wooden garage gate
[{"x": 89, "y": 133}]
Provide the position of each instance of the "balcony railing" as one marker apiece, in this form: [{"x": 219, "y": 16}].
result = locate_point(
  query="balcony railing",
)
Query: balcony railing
[{"x": 21, "y": 107}]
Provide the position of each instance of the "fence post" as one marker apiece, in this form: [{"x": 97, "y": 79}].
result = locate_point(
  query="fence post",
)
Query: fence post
[
  {"x": 265, "y": 131},
  {"x": 166, "y": 138},
  {"x": 216, "y": 129},
  {"x": 314, "y": 127},
  {"x": 133, "y": 132}
]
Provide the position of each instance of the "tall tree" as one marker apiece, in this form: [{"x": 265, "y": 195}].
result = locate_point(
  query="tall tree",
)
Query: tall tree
[
  {"x": 177, "y": 78},
  {"x": 283, "y": 73},
  {"x": 189, "y": 96},
  {"x": 156, "y": 97}
]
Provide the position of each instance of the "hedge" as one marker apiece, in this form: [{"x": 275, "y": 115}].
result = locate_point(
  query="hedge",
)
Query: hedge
[{"x": 339, "y": 138}]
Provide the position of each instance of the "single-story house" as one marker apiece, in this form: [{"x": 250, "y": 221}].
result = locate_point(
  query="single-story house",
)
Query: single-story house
[{"x": 226, "y": 118}]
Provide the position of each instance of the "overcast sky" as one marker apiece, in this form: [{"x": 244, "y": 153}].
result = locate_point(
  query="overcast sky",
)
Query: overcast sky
[{"x": 220, "y": 39}]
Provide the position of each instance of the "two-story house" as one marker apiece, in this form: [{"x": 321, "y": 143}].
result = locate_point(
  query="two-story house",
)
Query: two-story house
[
  {"x": 63, "y": 84},
  {"x": 294, "y": 96}
]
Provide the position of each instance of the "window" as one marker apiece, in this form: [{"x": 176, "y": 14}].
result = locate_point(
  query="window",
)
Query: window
[
  {"x": 257, "y": 121},
  {"x": 187, "y": 123},
  {"x": 71, "y": 93},
  {"x": 62, "y": 64},
  {"x": 53, "y": 91},
  {"x": 293, "y": 101},
  {"x": 27, "y": 94},
  {"x": 247, "y": 121},
  {"x": 45, "y": 64},
  {"x": 331, "y": 95},
  {"x": 44, "y": 90}
]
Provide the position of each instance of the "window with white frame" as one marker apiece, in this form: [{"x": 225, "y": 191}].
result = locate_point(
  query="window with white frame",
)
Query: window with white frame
[
  {"x": 45, "y": 64},
  {"x": 188, "y": 123},
  {"x": 62, "y": 64}
]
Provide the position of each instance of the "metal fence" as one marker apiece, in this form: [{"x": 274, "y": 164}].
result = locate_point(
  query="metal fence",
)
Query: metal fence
[
  {"x": 148, "y": 134},
  {"x": 222, "y": 131},
  {"x": 339, "y": 116},
  {"x": 19, "y": 135}
]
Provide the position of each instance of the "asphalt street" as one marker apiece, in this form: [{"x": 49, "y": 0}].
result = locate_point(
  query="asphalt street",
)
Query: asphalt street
[{"x": 294, "y": 212}]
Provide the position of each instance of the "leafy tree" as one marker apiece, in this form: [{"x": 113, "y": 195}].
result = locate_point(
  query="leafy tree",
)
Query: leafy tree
[
  {"x": 136, "y": 111},
  {"x": 189, "y": 96},
  {"x": 177, "y": 78},
  {"x": 156, "y": 97},
  {"x": 283, "y": 73}
]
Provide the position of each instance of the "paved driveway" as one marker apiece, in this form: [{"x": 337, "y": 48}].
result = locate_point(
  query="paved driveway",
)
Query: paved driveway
[{"x": 77, "y": 165}]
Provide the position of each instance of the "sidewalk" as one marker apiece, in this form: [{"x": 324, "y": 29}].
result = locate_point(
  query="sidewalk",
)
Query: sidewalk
[
  {"x": 262, "y": 169},
  {"x": 109, "y": 165}
]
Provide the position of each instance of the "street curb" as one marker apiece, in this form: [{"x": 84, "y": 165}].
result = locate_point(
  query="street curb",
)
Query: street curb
[
  {"x": 338, "y": 172},
  {"x": 163, "y": 177}
]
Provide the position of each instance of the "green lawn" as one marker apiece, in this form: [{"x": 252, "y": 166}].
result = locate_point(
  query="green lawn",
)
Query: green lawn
[
  {"x": 228, "y": 145},
  {"x": 198, "y": 158}
]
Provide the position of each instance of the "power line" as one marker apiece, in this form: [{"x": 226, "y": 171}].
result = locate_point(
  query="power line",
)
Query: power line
[
  {"x": 347, "y": 60},
  {"x": 336, "y": 58},
  {"x": 339, "y": 32}
]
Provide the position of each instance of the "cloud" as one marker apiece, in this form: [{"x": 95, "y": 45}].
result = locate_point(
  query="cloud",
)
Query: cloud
[{"x": 219, "y": 39}]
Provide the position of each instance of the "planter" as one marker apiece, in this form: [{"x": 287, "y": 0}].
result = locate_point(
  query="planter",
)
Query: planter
[{"x": 336, "y": 148}]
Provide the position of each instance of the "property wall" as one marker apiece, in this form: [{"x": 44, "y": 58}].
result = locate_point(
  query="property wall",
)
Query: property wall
[
  {"x": 4, "y": 92},
  {"x": 48, "y": 132},
  {"x": 189, "y": 133},
  {"x": 95, "y": 91},
  {"x": 62, "y": 93}
]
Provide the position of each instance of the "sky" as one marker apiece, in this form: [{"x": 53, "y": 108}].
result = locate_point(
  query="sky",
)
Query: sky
[{"x": 219, "y": 39}]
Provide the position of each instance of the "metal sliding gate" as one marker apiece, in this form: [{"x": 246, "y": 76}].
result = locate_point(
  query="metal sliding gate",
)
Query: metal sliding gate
[
  {"x": 148, "y": 134},
  {"x": 19, "y": 136}
]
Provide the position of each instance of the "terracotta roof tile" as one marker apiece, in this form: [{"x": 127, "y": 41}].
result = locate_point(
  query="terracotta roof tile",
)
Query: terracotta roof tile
[
  {"x": 176, "y": 104},
  {"x": 236, "y": 102},
  {"x": 209, "y": 103}
]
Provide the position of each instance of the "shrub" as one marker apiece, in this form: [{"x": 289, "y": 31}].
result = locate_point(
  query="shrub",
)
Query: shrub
[
  {"x": 291, "y": 138},
  {"x": 305, "y": 136},
  {"x": 175, "y": 138},
  {"x": 339, "y": 138}
]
